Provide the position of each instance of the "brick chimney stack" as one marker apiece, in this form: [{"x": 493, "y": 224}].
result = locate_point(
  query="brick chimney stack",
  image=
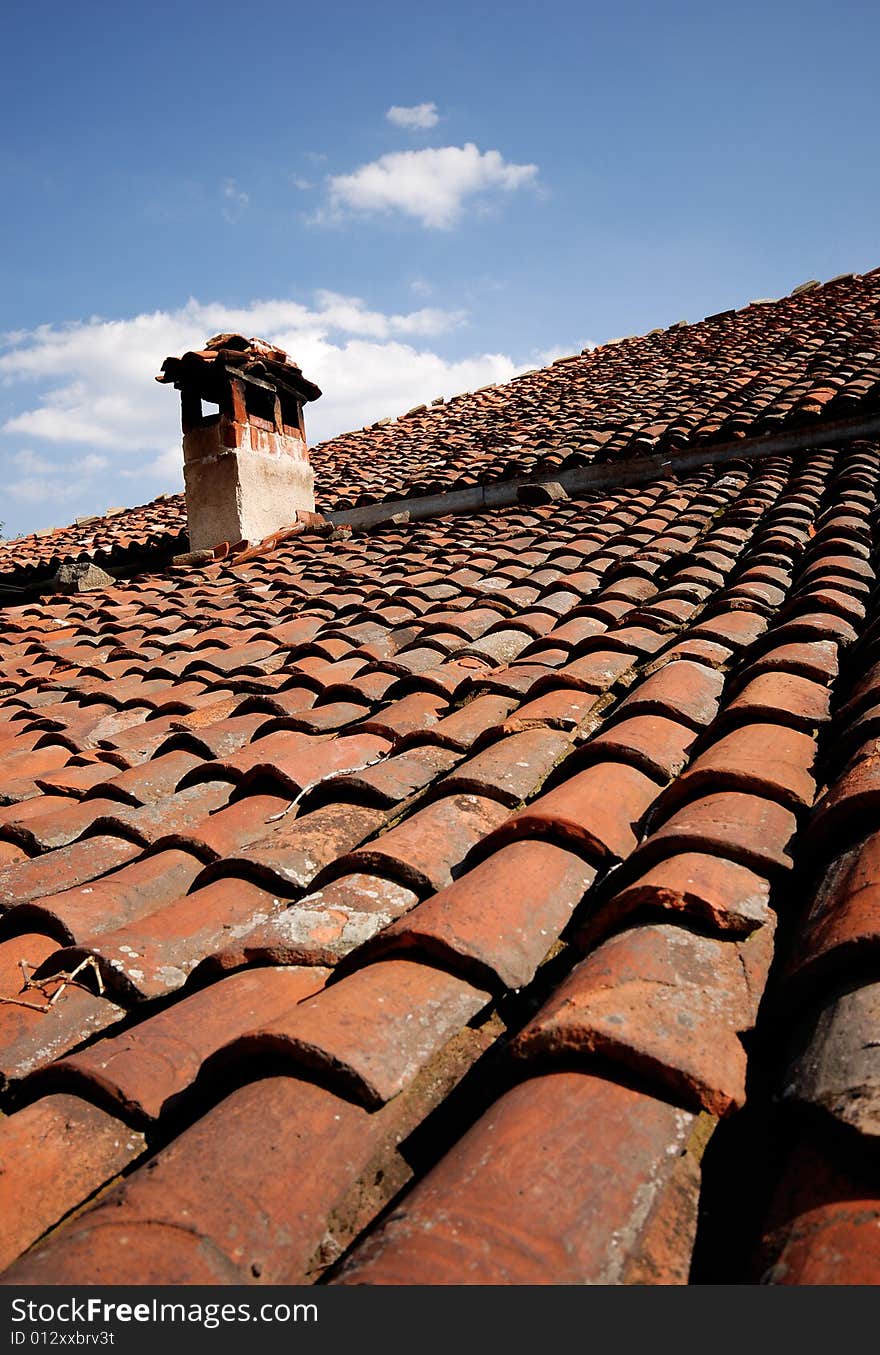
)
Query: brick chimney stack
[{"x": 246, "y": 465}]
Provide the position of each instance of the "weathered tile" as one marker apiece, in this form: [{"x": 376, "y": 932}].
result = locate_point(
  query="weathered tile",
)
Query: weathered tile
[
  {"x": 563, "y": 1181},
  {"x": 667, "y": 1004}
]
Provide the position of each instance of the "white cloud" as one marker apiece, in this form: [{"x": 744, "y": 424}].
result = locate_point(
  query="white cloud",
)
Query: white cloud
[
  {"x": 415, "y": 117},
  {"x": 91, "y": 426},
  {"x": 432, "y": 185},
  {"x": 235, "y": 201},
  {"x": 347, "y": 314},
  {"x": 33, "y": 478},
  {"x": 304, "y": 185},
  {"x": 37, "y": 489},
  {"x": 31, "y": 462}
]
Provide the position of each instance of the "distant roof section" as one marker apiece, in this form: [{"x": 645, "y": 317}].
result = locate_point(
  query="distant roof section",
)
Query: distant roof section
[
  {"x": 767, "y": 367},
  {"x": 810, "y": 357},
  {"x": 117, "y": 536}
]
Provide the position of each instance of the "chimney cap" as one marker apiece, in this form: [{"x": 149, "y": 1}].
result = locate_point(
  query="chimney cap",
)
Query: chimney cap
[{"x": 230, "y": 355}]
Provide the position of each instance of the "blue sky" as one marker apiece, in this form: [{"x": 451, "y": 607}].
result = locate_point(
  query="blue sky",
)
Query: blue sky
[{"x": 553, "y": 176}]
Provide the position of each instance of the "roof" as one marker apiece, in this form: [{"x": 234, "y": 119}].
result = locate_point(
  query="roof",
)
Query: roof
[
  {"x": 488, "y": 899},
  {"x": 808, "y": 358}
]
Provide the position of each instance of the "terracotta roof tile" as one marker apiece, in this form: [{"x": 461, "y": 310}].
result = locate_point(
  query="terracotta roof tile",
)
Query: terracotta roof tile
[
  {"x": 322, "y": 927},
  {"x": 33, "y": 1032},
  {"x": 663, "y": 1002},
  {"x": 563, "y": 1223},
  {"x": 56, "y": 1153},
  {"x": 143, "y": 1071},
  {"x": 535, "y": 887},
  {"x": 373, "y": 1031},
  {"x": 822, "y": 1227}
]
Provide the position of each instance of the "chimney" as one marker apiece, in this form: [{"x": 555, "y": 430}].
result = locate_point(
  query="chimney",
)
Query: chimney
[{"x": 245, "y": 463}]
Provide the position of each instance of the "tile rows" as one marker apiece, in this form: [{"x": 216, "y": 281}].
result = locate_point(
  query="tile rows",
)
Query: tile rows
[
  {"x": 444, "y": 858},
  {"x": 763, "y": 369},
  {"x": 823, "y": 1219},
  {"x": 120, "y": 535},
  {"x": 742, "y": 373}
]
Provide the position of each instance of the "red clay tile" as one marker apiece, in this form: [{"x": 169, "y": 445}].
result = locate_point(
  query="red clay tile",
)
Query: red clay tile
[
  {"x": 847, "y": 803},
  {"x": 816, "y": 660},
  {"x": 818, "y": 625},
  {"x": 295, "y": 761},
  {"x": 35, "y": 808},
  {"x": 323, "y": 927},
  {"x": 564, "y": 1181},
  {"x": 276, "y": 748},
  {"x": 134, "y": 1233},
  {"x": 833, "y": 1067},
  {"x": 465, "y": 726},
  {"x": 295, "y": 849},
  {"x": 423, "y": 850},
  {"x": 827, "y": 599},
  {"x": 780, "y": 698},
  {"x": 748, "y": 829},
  {"x": 865, "y": 694},
  {"x": 155, "y": 954},
  {"x": 31, "y": 1038},
  {"x": 146, "y": 1069},
  {"x": 857, "y": 737},
  {"x": 375, "y": 1029},
  {"x": 139, "y": 888},
  {"x": 598, "y": 810},
  {"x": 596, "y": 672},
  {"x": 654, "y": 745},
  {"x": 59, "y": 827},
  {"x": 74, "y": 781},
  {"x": 708, "y": 889},
  {"x": 149, "y": 782},
  {"x": 25, "y": 881},
  {"x": 510, "y": 769},
  {"x": 517, "y": 680},
  {"x": 500, "y": 646},
  {"x": 327, "y": 719},
  {"x": 566, "y": 709},
  {"x": 56, "y": 1153},
  {"x": 843, "y": 917},
  {"x": 228, "y": 829},
  {"x": 413, "y": 714},
  {"x": 629, "y": 639},
  {"x": 278, "y": 1215},
  {"x": 767, "y": 759},
  {"x": 734, "y": 629},
  {"x": 392, "y": 780},
  {"x": 694, "y": 649},
  {"x": 576, "y": 630},
  {"x": 320, "y": 758},
  {"x": 91, "y": 673},
  {"x": 665, "y": 1003},
  {"x": 220, "y": 739},
  {"x": 167, "y": 822},
  {"x": 27, "y": 766},
  {"x": 288, "y": 701},
  {"x": 824, "y": 1224},
  {"x": 498, "y": 921},
  {"x": 682, "y": 690},
  {"x": 133, "y": 740}
]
